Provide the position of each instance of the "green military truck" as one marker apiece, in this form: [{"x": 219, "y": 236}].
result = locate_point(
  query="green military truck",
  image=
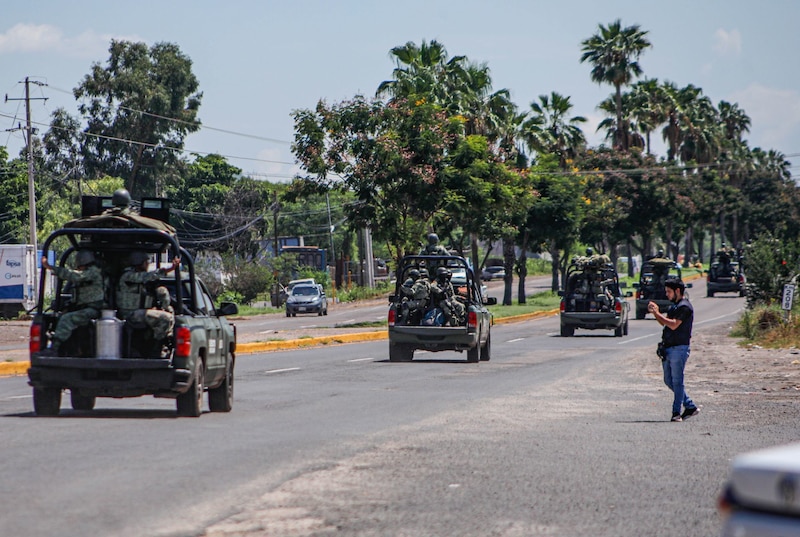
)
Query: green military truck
[
  {"x": 111, "y": 357},
  {"x": 422, "y": 328}
]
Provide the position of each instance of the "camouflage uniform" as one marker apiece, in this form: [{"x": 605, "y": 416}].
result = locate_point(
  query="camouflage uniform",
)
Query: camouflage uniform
[
  {"x": 88, "y": 298},
  {"x": 444, "y": 298},
  {"x": 433, "y": 247},
  {"x": 130, "y": 292}
]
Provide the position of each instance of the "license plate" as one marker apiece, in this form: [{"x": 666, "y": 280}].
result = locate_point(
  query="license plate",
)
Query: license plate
[{"x": 301, "y": 309}]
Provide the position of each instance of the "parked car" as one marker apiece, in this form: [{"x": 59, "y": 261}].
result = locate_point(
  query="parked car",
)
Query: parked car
[
  {"x": 762, "y": 495},
  {"x": 306, "y": 298},
  {"x": 493, "y": 272},
  {"x": 592, "y": 298}
]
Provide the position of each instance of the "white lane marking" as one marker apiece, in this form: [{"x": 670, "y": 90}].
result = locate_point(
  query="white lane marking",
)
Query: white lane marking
[
  {"x": 720, "y": 317},
  {"x": 515, "y": 340},
  {"x": 360, "y": 360},
  {"x": 636, "y": 339},
  {"x": 271, "y": 371},
  {"x": 17, "y": 397}
]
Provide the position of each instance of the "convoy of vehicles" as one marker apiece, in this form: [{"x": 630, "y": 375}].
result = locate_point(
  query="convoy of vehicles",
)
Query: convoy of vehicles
[
  {"x": 408, "y": 333},
  {"x": 115, "y": 358},
  {"x": 592, "y": 298}
]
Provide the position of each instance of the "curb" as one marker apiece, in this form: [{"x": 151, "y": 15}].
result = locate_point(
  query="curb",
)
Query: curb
[{"x": 13, "y": 369}]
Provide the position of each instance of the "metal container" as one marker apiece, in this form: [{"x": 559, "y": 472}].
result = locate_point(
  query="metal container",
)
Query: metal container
[{"x": 109, "y": 335}]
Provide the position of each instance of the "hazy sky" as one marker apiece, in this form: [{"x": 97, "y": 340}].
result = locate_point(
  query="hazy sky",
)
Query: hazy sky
[{"x": 256, "y": 61}]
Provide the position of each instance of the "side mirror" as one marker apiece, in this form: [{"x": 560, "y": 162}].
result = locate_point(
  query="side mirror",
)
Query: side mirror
[
  {"x": 490, "y": 301},
  {"x": 628, "y": 294},
  {"x": 392, "y": 298},
  {"x": 688, "y": 285},
  {"x": 636, "y": 285},
  {"x": 227, "y": 308},
  {"x": 560, "y": 292}
]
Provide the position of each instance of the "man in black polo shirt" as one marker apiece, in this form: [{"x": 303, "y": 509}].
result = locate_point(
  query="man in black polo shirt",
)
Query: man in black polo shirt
[{"x": 675, "y": 338}]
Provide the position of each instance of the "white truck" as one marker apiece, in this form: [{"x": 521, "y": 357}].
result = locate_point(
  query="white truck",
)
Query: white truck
[{"x": 17, "y": 270}]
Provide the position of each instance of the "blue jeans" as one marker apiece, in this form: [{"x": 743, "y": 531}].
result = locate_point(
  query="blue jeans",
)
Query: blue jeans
[{"x": 674, "y": 364}]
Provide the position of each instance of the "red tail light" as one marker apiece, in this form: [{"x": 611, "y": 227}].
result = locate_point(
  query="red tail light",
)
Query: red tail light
[
  {"x": 618, "y": 307},
  {"x": 35, "y": 343},
  {"x": 563, "y": 306},
  {"x": 472, "y": 320},
  {"x": 183, "y": 342},
  {"x": 638, "y": 294},
  {"x": 392, "y": 316}
]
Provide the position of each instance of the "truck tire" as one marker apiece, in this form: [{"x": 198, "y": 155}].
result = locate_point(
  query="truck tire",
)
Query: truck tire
[
  {"x": 567, "y": 331},
  {"x": 640, "y": 313},
  {"x": 618, "y": 331},
  {"x": 82, "y": 402},
  {"x": 625, "y": 328},
  {"x": 400, "y": 353},
  {"x": 710, "y": 294},
  {"x": 474, "y": 354},
  {"x": 47, "y": 401},
  {"x": 486, "y": 350},
  {"x": 190, "y": 403},
  {"x": 220, "y": 399}
]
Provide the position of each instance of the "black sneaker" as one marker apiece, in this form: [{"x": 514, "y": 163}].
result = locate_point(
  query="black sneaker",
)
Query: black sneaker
[
  {"x": 689, "y": 412},
  {"x": 676, "y": 417}
]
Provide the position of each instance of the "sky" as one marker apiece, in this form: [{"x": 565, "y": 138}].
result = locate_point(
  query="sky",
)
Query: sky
[{"x": 258, "y": 60}]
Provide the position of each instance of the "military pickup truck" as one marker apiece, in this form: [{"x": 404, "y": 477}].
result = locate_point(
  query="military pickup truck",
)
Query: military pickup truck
[
  {"x": 423, "y": 326},
  {"x": 650, "y": 287},
  {"x": 592, "y": 298},
  {"x": 111, "y": 357}
]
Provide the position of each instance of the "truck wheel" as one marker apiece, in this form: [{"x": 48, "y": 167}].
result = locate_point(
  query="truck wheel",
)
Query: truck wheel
[
  {"x": 486, "y": 350},
  {"x": 640, "y": 314},
  {"x": 47, "y": 401},
  {"x": 567, "y": 331},
  {"x": 618, "y": 331},
  {"x": 710, "y": 294},
  {"x": 82, "y": 402},
  {"x": 319, "y": 314},
  {"x": 474, "y": 354},
  {"x": 190, "y": 404},
  {"x": 288, "y": 314},
  {"x": 625, "y": 329},
  {"x": 220, "y": 399},
  {"x": 400, "y": 353}
]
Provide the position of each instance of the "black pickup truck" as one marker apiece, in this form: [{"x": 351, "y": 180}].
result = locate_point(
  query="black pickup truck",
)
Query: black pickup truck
[
  {"x": 111, "y": 357},
  {"x": 408, "y": 333}
]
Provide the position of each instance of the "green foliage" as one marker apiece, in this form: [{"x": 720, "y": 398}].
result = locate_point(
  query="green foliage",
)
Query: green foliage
[
  {"x": 358, "y": 292},
  {"x": 247, "y": 278},
  {"x": 769, "y": 264}
]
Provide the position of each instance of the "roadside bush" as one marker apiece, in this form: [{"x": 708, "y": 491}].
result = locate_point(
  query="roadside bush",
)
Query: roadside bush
[{"x": 769, "y": 265}]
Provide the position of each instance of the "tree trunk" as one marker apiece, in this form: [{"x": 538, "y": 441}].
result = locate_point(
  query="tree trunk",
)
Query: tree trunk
[
  {"x": 630, "y": 259},
  {"x": 555, "y": 264},
  {"x": 687, "y": 247},
  {"x": 476, "y": 261},
  {"x": 508, "y": 260},
  {"x": 522, "y": 269}
]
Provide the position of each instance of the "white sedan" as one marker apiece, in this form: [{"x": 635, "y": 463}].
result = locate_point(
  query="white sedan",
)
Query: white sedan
[{"x": 762, "y": 495}]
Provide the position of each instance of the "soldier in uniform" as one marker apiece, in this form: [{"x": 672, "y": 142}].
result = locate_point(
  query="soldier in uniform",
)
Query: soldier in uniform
[
  {"x": 433, "y": 247},
  {"x": 88, "y": 295},
  {"x": 121, "y": 201},
  {"x": 419, "y": 296},
  {"x": 444, "y": 297},
  {"x": 130, "y": 293}
]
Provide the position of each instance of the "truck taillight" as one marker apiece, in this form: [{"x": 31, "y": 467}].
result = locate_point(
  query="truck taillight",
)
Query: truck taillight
[
  {"x": 392, "y": 316},
  {"x": 472, "y": 320},
  {"x": 35, "y": 344},
  {"x": 618, "y": 307},
  {"x": 563, "y": 306},
  {"x": 183, "y": 342},
  {"x": 638, "y": 294}
]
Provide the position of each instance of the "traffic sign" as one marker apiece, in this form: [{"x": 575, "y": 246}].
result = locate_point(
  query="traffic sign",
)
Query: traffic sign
[{"x": 788, "y": 296}]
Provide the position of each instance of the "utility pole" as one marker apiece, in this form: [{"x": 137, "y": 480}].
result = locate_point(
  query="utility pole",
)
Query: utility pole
[{"x": 31, "y": 191}]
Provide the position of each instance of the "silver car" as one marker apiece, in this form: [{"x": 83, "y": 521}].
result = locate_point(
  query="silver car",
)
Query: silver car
[{"x": 762, "y": 495}]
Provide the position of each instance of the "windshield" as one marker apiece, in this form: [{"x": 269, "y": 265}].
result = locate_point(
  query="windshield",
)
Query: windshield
[{"x": 305, "y": 290}]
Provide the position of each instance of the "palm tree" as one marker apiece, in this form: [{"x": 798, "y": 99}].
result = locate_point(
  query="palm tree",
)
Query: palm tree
[
  {"x": 613, "y": 53},
  {"x": 649, "y": 101},
  {"x": 735, "y": 121},
  {"x": 421, "y": 71},
  {"x": 629, "y": 129},
  {"x": 550, "y": 129}
]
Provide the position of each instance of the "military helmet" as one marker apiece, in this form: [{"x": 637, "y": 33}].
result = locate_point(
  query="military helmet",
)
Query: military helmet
[
  {"x": 413, "y": 274},
  {"x": 137, "y": 258},
  {"x": 121, "y": 198},
  {"x": 443, "y": 272},
  {"x": 83, "y": 258},
  {"x": 423, "y": 272},
  {"x": 433, "y": 238}
]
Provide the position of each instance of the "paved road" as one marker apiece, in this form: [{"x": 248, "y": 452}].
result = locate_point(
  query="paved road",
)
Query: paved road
[{"x": 553, "y": 436}]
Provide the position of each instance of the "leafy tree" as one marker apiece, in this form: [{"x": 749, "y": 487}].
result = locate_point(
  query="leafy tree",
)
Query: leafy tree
[
  {"x": 613, "y": 53},
  {"x": 13, "y": 199},
  {"x": 139, "y": 108}
]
